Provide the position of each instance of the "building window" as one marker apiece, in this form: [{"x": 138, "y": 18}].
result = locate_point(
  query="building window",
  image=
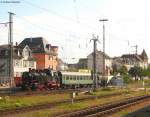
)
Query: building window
[
  {"x": 31, "y": 64},
  {"x": 25, "y": 64},
  {"x": 20, "y": 63},
  {"x": 16, "y": 62},
  {"x": 29, "y": 53},
  {"x": 17, "y": 74},
  {"x": 49, "y": 57},
  {"x": 26, "y": 53}
]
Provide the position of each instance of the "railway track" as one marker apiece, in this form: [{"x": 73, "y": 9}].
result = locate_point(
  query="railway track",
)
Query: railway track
[
  {"x": 102, "y": 110},
  {"x": 53, "y": 91},
  {"x": 51, "y": 105}
]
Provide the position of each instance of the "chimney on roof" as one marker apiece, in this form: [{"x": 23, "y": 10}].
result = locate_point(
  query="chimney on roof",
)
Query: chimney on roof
[{"x": 48, "y": 46}]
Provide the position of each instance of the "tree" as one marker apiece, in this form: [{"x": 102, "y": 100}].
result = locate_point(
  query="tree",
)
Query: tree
[
  {"x": 114, "y": 69},
  {"x": 145, "y": 72},
  {"x": 148, "y": 72},
  {"x": 123, "y": 70},
  {"x": 136, "y": 72},
  {"x": 126, "y": 79}
]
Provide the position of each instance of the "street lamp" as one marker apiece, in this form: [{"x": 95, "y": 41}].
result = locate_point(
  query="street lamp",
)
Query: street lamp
[{"x": 103, "y": 20}]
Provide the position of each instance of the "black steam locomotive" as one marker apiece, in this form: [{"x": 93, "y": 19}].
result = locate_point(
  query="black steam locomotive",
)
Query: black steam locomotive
[{"x": 41, "y": 80}]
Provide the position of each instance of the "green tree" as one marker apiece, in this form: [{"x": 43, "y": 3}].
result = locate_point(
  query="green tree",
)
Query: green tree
[
  {"x": 123, "y": 70},
  {"x": 136, "y": 72},
  {"x": 145, "y": 72},
  {"x": 127, "y": 79},
  {"x": 148, "y": 72}
]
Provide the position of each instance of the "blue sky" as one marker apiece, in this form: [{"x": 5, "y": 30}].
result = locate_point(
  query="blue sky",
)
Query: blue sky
[{"x": 70, "y": 24}]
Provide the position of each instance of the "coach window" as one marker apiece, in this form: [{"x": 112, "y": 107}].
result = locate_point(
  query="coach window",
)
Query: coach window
[{"x": 67, "y": 78}]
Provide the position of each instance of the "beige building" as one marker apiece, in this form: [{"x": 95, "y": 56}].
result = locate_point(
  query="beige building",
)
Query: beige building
[
  {"x": 131, "y": 60},
  {"x": 99, "y": 62}
]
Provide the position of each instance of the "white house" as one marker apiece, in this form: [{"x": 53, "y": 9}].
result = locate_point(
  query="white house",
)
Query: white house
[{"x": 22, "y": 61}]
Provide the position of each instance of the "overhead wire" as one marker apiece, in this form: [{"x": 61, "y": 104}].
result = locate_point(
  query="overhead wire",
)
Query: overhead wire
[
  {"x": 58, "y": 14},
  {"x": 47, "y": 29},
  {"x": 76, "y": 11}
]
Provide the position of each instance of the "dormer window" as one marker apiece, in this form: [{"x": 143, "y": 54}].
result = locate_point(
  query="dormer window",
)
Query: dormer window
[{"x": 26, "y": 53}]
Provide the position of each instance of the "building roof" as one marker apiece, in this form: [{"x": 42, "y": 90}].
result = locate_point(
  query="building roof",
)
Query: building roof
[
  {"x": 17, "y": 52},
  {"x": 37, "y": 45},
  {"x": 101, "y": 53},
  {"x": 5, "y": 51},
  {"x": 131, "y": 56},
  {"x": 144, "y": 55}
]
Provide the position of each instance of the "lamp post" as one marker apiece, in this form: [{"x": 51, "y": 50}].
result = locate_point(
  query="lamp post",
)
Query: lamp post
[
  {"x": 10, "y": 43},
  {"x": 103, "y": 20}
]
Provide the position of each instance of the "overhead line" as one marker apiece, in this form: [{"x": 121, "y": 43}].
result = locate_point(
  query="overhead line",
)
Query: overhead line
[
  {"x": 58, "y": 14},
  {"x": 47, "y": 28}
]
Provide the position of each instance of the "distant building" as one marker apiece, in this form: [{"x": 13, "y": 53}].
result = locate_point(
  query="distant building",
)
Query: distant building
[
  {"x": 131, "y": 60},
  {"x": 61, "y": 66},
  {"x": 99, "y": 62},
  {"x": 46, "y": 55},
  {"x": 82, "y": 63},
  {"x": 72, "y": 67},
  {"x": 22, "y": 61}
]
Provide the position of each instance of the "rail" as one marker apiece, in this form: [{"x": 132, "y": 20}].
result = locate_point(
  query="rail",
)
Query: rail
[{"x": 101, "y": 110}]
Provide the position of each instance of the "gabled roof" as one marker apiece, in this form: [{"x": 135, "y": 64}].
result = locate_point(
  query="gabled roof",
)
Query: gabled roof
[
  {"x": 101, "y": 53},
  {"x": 131, "y": 56},
  {"x": 36, "y": 44},
  {"x": 144, "y": 55},
  {"x": 17, "y": 52}
]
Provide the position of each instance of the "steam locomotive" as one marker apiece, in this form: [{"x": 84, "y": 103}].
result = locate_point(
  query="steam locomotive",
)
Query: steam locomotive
[
  {"x": 41, "y": 79},
  {"x": 47, "y": 80}
]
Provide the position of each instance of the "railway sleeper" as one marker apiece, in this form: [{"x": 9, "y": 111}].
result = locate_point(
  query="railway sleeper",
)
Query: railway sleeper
[{"x": 102, "y": 109}]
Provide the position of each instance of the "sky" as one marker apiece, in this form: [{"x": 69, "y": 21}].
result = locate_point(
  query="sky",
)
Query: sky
[{"x": 70, "y": 25}]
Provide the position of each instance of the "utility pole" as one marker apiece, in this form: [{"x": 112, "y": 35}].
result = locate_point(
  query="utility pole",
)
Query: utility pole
[
  {"x": 103, "y": 20},
  {"x": 95, "y": 39},
  {"x": 136, "y": 49},
  {"x": 10, "y": 43}
]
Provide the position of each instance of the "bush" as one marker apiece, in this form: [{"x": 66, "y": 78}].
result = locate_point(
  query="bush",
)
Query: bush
[{"x": 127, "y": 79}]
